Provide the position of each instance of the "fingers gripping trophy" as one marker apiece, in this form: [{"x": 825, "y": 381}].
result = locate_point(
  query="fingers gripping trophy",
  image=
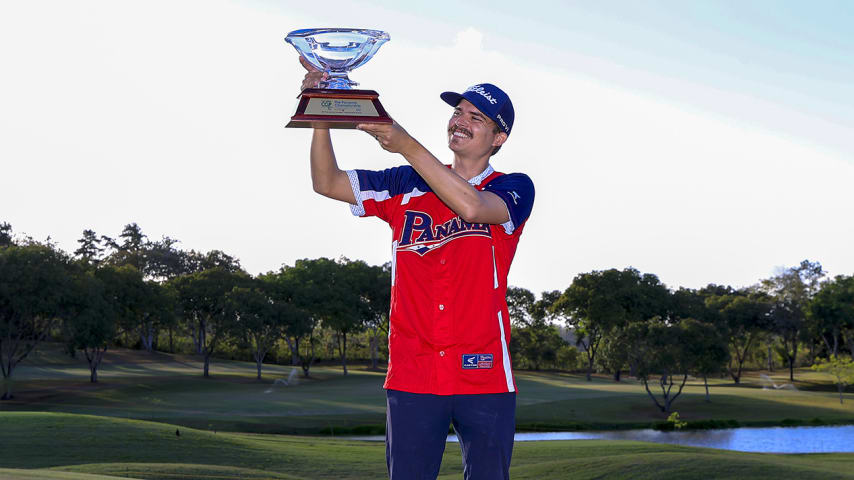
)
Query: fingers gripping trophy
[{"x": 455, "y": 229}]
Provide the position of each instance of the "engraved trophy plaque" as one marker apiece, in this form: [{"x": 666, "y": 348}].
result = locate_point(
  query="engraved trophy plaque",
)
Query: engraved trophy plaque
[{"x": 336, "y": 104}]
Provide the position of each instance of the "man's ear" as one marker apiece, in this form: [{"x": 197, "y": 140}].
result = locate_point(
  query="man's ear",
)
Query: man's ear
[{"x": 500, "y": 138}]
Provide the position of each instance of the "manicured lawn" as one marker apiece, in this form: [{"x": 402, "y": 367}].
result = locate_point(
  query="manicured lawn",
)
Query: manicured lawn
[
  {"x": 139, "y": 449},
  {"x": 563, "y": 400},
  {"x": 170, "y": 389},
  {"x": 62, "y": 427}
]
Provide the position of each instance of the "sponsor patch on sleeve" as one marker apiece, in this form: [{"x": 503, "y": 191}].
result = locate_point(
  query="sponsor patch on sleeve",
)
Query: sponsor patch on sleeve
[{"x": 477, "y": 360}]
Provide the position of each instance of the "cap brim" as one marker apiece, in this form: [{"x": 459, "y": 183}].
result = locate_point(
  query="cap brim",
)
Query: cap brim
[{"x": 451, "y": 98}]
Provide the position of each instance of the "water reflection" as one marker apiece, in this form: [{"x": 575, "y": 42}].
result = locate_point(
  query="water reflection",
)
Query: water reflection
[
  {"x": 765, "y": 440},
  {"x": 762, "y": 440}
]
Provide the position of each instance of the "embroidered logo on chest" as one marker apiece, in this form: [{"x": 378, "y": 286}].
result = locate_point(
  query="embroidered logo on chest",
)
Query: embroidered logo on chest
[
  {"x": 473, "y": 361},
  {"x": 419, "y": 235}
]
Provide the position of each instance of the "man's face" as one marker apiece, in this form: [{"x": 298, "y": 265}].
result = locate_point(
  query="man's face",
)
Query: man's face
[{"x": 472, "y": 132}]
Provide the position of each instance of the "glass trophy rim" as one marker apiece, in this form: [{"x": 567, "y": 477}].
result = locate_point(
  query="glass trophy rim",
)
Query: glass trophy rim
[{"x": 307, "y": 32}]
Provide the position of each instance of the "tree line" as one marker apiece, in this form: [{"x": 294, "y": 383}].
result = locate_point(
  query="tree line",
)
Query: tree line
[
  {"x": 135, "y": 287},
  {"x": 625, "y": 320},
  {"x": 611, "y": 321}
]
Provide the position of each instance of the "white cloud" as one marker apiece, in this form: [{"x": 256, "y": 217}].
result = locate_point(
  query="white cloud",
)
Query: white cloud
[{"x": 469, "y": 40}]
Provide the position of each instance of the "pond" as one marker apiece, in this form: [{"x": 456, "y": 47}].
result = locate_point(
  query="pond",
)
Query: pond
[{"x": 763, "y": 440}]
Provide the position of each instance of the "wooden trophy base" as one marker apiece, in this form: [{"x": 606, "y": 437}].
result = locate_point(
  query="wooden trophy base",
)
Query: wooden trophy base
[{"x": 329, "y": 108}]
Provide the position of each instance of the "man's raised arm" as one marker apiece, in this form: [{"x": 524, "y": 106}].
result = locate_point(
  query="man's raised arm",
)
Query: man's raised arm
[
  {"x": 326, "y": 178},
  {"x": 469, "y": 203}
]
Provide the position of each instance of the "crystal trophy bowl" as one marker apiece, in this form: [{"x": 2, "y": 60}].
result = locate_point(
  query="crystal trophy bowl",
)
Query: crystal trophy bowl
[
  {"x": 337, "y": 51},
  {"x": 335, "y": 104}
]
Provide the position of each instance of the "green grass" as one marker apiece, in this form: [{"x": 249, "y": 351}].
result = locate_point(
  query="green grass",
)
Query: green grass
[
  {"x": 44, "y": 445},
  {"x": 42, "y": 474},
  {"x": 61, "y": 426},
  {"x": 550, "y": 400},
  {"x": 170, "y": 389}
]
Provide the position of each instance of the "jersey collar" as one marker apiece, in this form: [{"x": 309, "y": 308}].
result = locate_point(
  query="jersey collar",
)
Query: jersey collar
[{"x": 476, "y": 180}]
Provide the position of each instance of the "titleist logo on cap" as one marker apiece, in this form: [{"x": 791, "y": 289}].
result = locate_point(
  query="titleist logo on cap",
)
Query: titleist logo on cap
[{"x": 482, "y": 92}]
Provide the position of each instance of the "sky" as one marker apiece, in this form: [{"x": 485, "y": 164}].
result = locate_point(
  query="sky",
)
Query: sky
[{"x": 704, "y": 142}]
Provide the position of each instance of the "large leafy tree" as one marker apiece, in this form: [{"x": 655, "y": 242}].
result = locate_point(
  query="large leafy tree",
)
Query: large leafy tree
[
  {"x": 641, "y": 297},
  {"x": 346, "y": 307},
  {"x": 286, "y": 287},
  {"x": 375, "y": 293},
  {"x": 89, "y": 318},
  {"x": 203, "y": 299},
  {"x": 164, "y": 260},
  {"x": 141, "y": 307},
  {"x": 831, "y": 314},
  {"x": 520, "y": 304},
  {"x": 34, "y": 288},
  {"x": 159, "y": 312},
  {"x": 536, "y": 345},
  {"x": 535, "y": 341},
  {"x": 791, "y": 292},
  {"x": 744, "y": 315},
  {"x": 706, "y": 348},
  {"x": 261, "y": 318},
  {"x": 590, "y": 308},
  {"x": 600, "y": 305},
  {"x": 690, "y": 303},
  {"x": 340, "y": 295},
  {"x": 665, "y": 354}
]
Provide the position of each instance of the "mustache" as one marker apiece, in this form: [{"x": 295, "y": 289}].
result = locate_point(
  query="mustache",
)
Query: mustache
[{"x": 456, "y": 128}]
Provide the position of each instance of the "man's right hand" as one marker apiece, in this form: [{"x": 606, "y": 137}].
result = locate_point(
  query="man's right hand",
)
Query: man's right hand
[{"x": 313, "y": 76}]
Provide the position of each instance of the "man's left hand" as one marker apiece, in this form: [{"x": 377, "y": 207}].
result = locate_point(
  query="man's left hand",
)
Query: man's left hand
[{"x": 392, "y": 138}]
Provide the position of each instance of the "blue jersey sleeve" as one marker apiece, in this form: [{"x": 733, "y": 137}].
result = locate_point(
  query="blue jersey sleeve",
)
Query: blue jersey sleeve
[
  {"x": 517, "y": 191},
  {"x": 375, "y": 190}
]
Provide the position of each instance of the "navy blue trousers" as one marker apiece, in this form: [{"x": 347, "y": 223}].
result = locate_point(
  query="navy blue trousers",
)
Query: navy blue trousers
[{"x": 417, "y": 428}]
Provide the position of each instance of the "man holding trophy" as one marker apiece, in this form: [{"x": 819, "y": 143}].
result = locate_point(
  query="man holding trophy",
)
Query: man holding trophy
[{"x": 455, "y": 229}]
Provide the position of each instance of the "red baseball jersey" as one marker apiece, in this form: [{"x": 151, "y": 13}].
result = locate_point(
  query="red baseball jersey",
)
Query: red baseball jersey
[{"x": 449, "y": 326}]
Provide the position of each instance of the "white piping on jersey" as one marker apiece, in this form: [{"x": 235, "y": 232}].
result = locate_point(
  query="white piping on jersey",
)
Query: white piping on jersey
[
  {"x": 359, "y": 208},
  {"x": 414, "y": 193},
  {"x": 509, "y": 228},
  {"x": 508, "y": 374},
  {"x": 494, "y": 270},
  {"x": 393, "y": 261},
  {"x": 375, "y": 195}
]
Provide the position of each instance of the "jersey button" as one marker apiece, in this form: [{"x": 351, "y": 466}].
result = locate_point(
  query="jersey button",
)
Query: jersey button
[
  {"x": 441, "y": 307},
  {"x": 442, "y": 261},
  {"x": 442, "y": 353}
]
